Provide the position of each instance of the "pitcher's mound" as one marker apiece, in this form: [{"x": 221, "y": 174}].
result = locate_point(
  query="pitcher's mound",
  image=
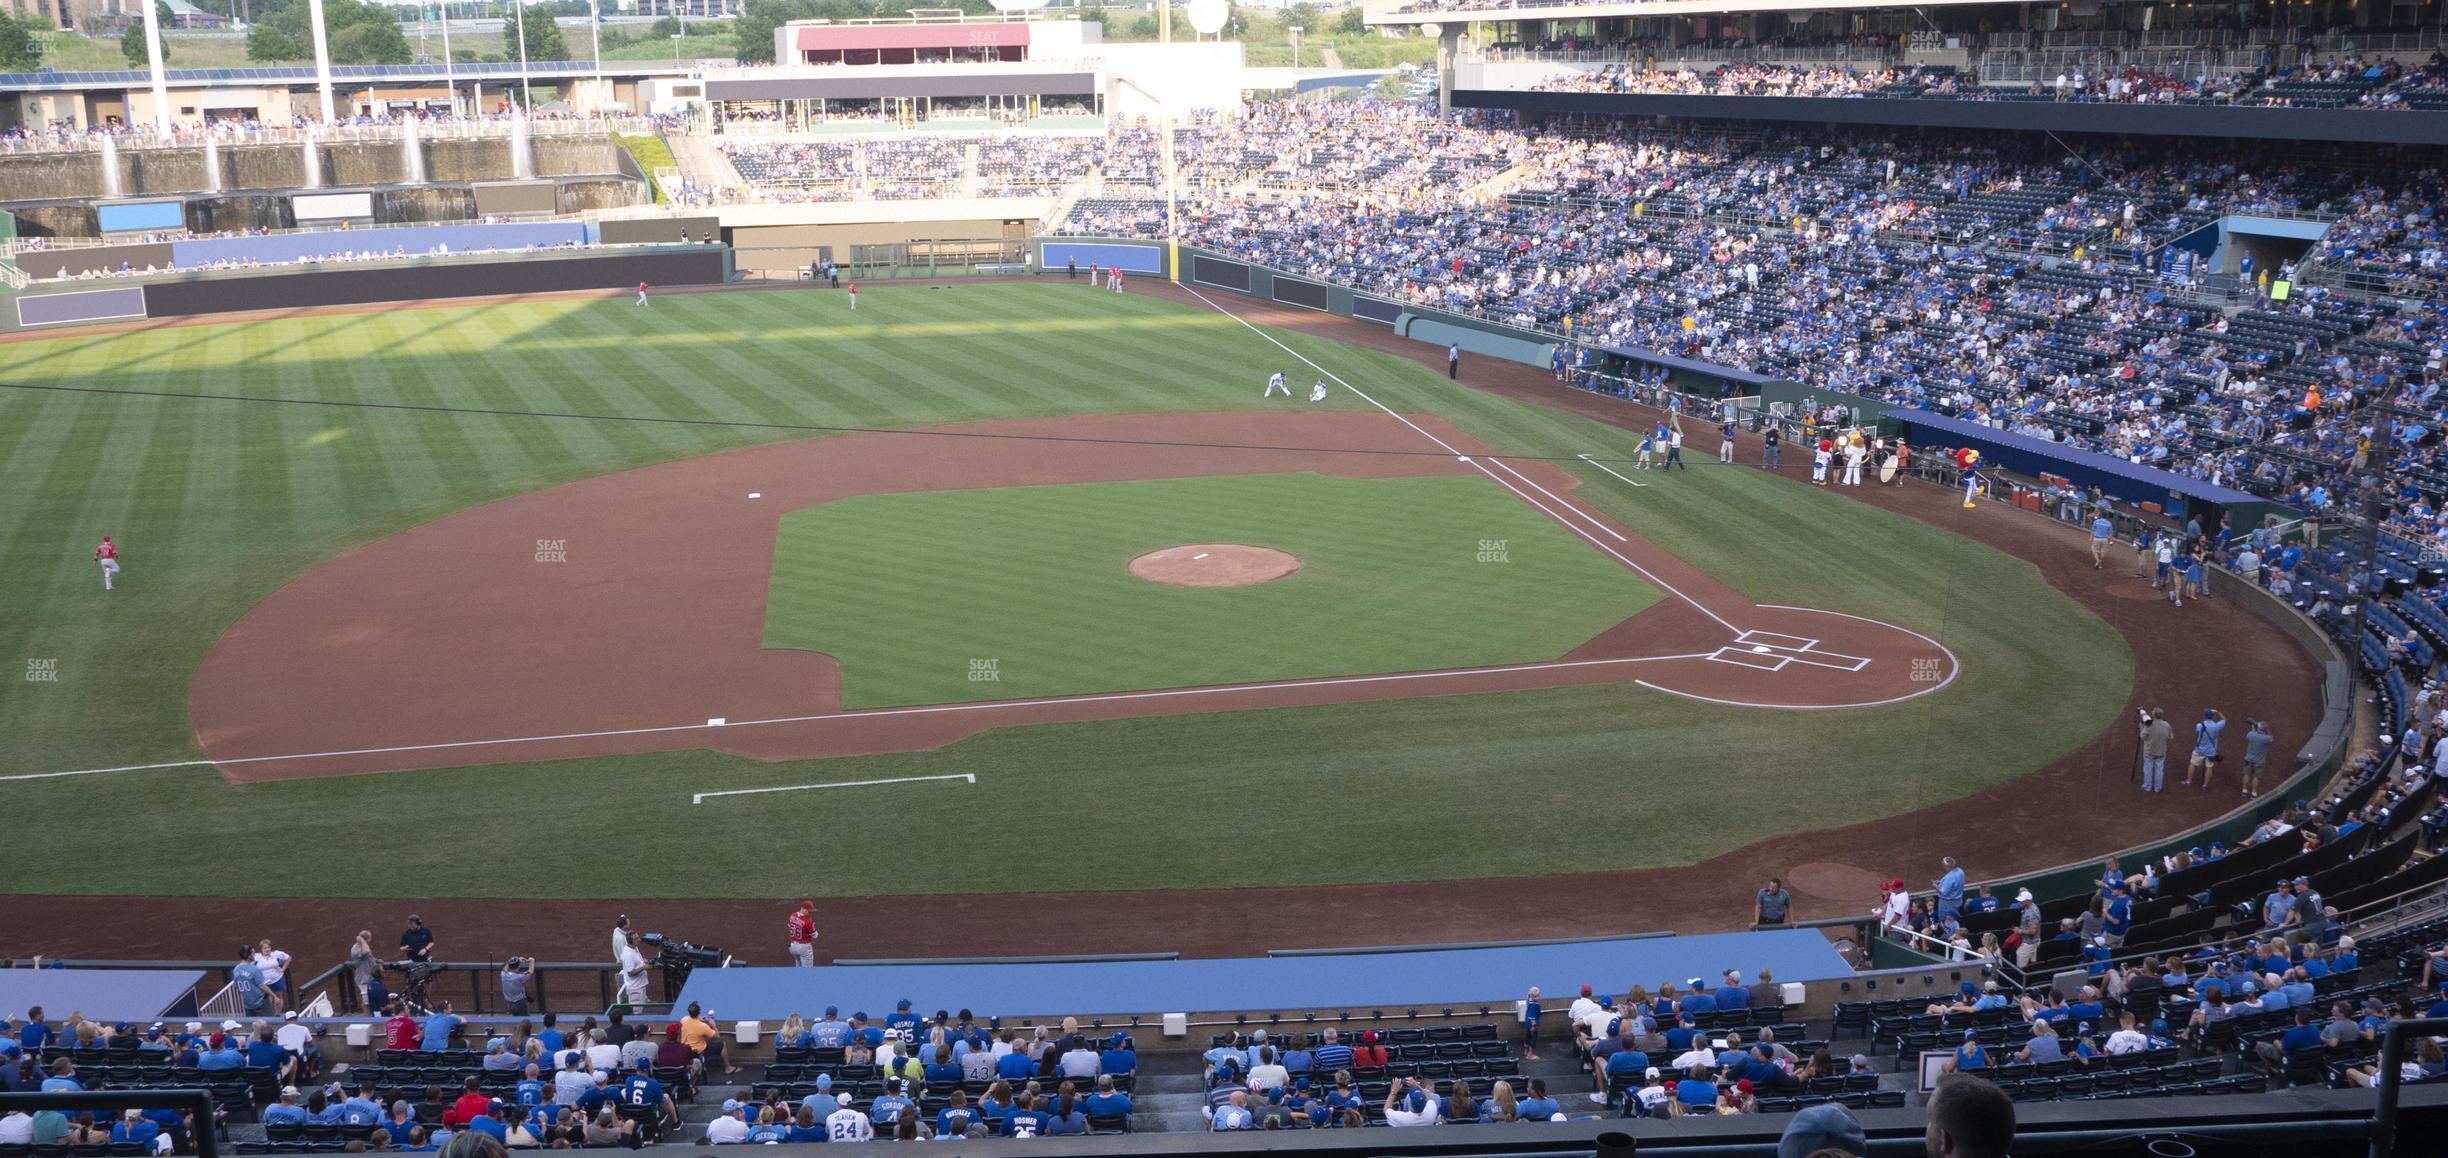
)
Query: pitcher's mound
[{"x": 1214, "y": 565}]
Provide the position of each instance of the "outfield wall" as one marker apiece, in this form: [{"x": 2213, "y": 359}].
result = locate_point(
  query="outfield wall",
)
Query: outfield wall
[
  {"x": 193, "y": 294},
  {"x": 413, "y": 240}
]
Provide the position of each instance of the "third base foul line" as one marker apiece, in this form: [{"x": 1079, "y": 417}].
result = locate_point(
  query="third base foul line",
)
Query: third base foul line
[
  {"x": 702, "y": 797},
  {"x": 873, "y": 713},
  {"x": 1603, "y": 466}
]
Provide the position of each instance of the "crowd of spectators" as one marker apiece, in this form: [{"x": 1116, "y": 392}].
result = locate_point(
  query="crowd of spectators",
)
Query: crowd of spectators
[{"x": 2332, "y": 82}]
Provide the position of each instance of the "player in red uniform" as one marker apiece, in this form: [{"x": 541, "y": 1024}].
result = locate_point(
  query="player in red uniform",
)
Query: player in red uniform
[
  {"x": 108, "y": 556},
  {"x": 853, "y": 297},
  {"x": 641, "y": 293},
  {"x": 803, "y": 935}
]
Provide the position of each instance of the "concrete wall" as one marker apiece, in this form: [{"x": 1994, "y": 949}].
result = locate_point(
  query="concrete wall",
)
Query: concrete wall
[{"x": 787, "y": 247}]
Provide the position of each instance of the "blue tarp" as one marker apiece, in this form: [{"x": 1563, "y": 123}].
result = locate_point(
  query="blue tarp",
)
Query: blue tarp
[
  {"x": 1688, "y": 365},
  {"x": 2024, "y": 454},
  {"x": 1389, "y": 981},
  {"x": 138, "y": 995}
]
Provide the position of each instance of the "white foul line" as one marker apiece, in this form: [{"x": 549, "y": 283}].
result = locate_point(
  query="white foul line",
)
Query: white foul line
[
  {"x": 1619, "y": 557},
  {"x": 1560, "y": 501},
  {"x": 702, "y": 797},
  {"x": 1603, "y": 466},
  {"x": 878, "y": 713}
]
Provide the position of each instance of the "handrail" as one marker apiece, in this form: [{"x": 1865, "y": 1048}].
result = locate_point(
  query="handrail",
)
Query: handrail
[{"x": 2392, "y": 1057}]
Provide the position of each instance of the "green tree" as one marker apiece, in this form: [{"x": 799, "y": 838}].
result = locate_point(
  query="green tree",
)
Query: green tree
[
  {"x": 20, "y": 51},
  {"x": 544, "y": 40},
  {"x": 132, "y": 46},
  {"x": 753, "y": 30},
  {"x": 666, "y": 28},
  {"x": 267, "y": 42},
  {"x": 1352, "y": 22},
  {"x": 377, "y": 40},
  {"x": 1303, "y": 14}
]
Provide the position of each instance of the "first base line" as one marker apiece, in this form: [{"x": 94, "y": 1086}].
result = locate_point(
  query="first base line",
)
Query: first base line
[{"x": 702, "y": 797}]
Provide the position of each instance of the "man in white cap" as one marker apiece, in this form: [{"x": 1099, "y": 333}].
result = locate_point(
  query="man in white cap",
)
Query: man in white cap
[
  {"x": 730, "y": 1129},
  {"x": 287, "y": 1112},
  {"x": 2027, "y": 929},
  {"x": 847, "y": 1124},
  {"x": 298, "y": 1039}
]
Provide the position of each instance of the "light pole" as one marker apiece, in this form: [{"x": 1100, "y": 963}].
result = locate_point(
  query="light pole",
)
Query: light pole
[
  {"x": 526, "y": 92},
  {"x": 153, "y": 61},
  {"x": 1295, "y": 30},
  {"x": 677, "y": 37},
  {"x": 450, "y": 78},
  {"x": 322, "y": 51}
]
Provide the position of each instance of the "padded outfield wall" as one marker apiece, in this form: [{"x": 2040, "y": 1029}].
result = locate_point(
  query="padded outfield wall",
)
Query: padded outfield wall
[{"x": 182, "y": 295}]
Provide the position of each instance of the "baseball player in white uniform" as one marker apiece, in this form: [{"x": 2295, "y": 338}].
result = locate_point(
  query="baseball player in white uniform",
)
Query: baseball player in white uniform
[
  {"x": 1317, "y": 393},
  {"x": 1274, "y": 384}
]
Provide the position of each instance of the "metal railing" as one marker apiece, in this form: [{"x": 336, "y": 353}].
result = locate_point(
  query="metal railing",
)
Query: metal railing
[
  {"x": 2392, "y": 1060},
  {"x": 586, "y": 987}
]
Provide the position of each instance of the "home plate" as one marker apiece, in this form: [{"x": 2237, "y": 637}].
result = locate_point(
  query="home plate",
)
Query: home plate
[
  {"x": 1761, "y": 650},
  {"x": 1199, "y": 556}
]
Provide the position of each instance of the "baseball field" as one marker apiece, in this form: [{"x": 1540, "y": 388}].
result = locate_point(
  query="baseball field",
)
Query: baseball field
[{"x": 411, "y": 587}]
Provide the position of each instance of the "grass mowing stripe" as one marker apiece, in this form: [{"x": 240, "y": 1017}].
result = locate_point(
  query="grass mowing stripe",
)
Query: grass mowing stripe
[{"x": 1236, "y": 771}]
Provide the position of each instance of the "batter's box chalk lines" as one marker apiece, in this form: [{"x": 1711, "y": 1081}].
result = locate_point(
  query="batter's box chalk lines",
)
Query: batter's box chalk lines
[
  {"x": 1779, "y": 639},
  {"x": 702, "y": 797}
]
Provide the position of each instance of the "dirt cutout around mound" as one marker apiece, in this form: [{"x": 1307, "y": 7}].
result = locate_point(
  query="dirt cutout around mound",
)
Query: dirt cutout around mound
[{"x": 1215, "y": 565}]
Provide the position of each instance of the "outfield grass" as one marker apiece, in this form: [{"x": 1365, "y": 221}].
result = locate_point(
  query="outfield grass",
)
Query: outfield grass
[
  {"x": 221, "y": 502},
  {"x": 911, "y": 591}
]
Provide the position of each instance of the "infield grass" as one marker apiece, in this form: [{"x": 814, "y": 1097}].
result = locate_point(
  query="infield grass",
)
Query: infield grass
[
  {"x": 219, "y": 502},
  {"x": 1022, "y": 592}
]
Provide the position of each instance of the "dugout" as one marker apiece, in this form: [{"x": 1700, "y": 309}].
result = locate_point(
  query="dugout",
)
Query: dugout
[{"x": 2127, "y": 482}]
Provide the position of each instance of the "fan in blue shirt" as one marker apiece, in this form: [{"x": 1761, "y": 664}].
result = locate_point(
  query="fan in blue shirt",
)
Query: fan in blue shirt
[
  {"x": 134, "y": 1130},
  {"x": 1696, "y": 1091},
  {"x": 1027, "y": 1121},
  {"x": 439, "y": 1028}
]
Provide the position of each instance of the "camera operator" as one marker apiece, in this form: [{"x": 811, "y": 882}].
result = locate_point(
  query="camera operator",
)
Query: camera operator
[{"x": 516, "y": 973}]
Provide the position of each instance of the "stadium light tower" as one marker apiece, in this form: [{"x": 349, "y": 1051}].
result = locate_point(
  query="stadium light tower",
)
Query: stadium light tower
[
  {"x": 526, "y": 94},
  {"x": 322, "y": 47},
  {"x": 450, "y": 76},
  {"x": 153, "y": 57}
]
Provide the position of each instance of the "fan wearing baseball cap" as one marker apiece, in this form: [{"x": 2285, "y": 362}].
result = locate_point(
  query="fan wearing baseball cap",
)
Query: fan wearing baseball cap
[{"x": 732, "y": 1127}]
